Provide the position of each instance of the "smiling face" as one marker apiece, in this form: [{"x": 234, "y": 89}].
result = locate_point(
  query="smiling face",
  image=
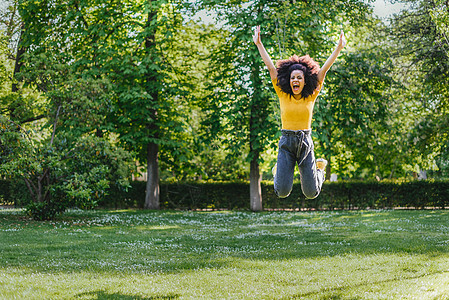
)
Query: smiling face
[{"x": 297, "y": 81}]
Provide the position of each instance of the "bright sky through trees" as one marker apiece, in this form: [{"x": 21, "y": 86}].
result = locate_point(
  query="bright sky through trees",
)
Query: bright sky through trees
[{"x": 384, "y": 8}]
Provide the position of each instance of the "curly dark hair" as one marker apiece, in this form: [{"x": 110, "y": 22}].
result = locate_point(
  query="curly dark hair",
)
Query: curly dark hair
[{"x": 304, "y": 63}]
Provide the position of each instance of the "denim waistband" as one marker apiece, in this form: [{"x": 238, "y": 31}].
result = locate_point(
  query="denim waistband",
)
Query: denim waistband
[{"x": 296, "y": 132}]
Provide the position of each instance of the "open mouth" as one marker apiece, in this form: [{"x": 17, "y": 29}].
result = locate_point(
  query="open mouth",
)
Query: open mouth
[{"x": 295, "y": 87}]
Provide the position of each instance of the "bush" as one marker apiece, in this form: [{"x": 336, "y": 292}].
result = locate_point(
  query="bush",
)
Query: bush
[
  {"x": 49, "y": 179},
  {"x": 195, "y": 195},
  {"x": 235, "y": 195},
  {"x": 14, "y": 193},
  {"x": 334, "y": 195},
  {"x": 44, "y": 211},
  {"x": 4, "y": 191}
]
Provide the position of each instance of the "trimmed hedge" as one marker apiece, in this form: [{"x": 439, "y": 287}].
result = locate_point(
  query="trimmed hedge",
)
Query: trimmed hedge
[
  {"x": 334, "y": 195},
  {"x": 235, "y": 195}
]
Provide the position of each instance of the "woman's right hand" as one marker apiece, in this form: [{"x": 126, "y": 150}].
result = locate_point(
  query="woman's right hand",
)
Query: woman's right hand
[
  {"x": 256, "y": 36},
  {"x": 263, "y": 53}
]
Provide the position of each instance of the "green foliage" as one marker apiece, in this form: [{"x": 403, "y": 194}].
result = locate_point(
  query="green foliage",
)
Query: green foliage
[
  {"x": 125, "y": 65},
  {"x": 241, "y": 103},
  {"x": 3, "y": 54},
  {"x": 44, "y": 211},
  {"x": 4, "y": 191},
  {"x": 422, "y": 50},
  {"x": 69, "y": 172},
  {"x": 440, "y": 16},
  {"x": 357, "y": 117},
  {"x": 14, "y": 192},
  {"x": 72, "y": 160},
  {"x": 97, "y": 74},
  {"x": 97, "y": 166},
  {"x": 185, "y": 153}
]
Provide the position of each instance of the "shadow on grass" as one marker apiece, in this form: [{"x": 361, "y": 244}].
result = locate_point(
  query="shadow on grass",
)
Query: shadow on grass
[{"x": 102, "y": 295}]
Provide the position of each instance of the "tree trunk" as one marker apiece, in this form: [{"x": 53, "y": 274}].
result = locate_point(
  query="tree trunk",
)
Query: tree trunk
[
  {"x": 18, "y": 63},
  {"x": 152, "y": 191},
  {"x": 255, "y": 191},
  {"x": 328, "y": 168},
  {"x": 255, "y": 126},
  {"x": 152, "y": 188}
]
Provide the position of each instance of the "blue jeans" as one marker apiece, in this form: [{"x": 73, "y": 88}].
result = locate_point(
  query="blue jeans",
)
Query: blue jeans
[{"x": 296, "y": 147}]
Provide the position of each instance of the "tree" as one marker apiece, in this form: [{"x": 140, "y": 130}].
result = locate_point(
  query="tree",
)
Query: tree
[
  {"x": 242, "y": 97},
  {"x": 358, "y": 114},
  {"x": 60, "y": 173},
  {"x": 70, "y": 160},
  {"x": 423, "y": 67},
  {"x": 123, "y": 47},
  {"x": 192, "y": 157},
  {"x": 239, "y": 101},
  {"x": 145, "y": 114}
]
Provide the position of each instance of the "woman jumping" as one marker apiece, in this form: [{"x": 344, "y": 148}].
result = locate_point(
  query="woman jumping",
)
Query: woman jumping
[{"x": 297, "y": 82}]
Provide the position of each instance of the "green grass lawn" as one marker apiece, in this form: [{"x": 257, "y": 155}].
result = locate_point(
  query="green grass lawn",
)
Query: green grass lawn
[{"x": 226, "y": 255}]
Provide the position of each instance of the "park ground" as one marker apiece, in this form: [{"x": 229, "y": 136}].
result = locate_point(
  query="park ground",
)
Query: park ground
[{"x": 381, "y": 254}]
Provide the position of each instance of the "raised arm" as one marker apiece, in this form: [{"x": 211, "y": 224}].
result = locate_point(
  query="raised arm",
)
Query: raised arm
[
  {"x": 263, "y": 53},
  {"x": 330, "y": 61}
]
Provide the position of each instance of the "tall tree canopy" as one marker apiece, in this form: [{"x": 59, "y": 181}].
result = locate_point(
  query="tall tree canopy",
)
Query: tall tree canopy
[
  {"x": 420, "y": 36},
  {"x": 241, "y": 97},
  {"x": 114, "y": 57},
  {"x": 191, "y": 101}
]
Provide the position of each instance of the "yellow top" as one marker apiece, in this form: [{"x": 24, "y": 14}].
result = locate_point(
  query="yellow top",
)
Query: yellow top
[{"x": 296, "y": 114}]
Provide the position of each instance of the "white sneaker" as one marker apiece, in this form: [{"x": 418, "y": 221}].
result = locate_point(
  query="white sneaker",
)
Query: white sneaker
[{"x": 321, "y": 164}]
